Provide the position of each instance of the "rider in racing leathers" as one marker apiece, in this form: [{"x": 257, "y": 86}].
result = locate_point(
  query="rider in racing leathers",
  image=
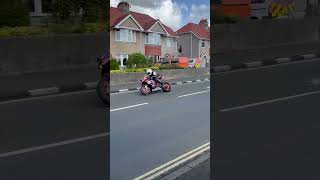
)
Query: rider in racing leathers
[{"x": 154, "y": 76}]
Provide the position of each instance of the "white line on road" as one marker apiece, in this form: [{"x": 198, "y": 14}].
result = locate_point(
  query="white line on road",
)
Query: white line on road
[
  {"x": 174, "y": 163},
  {"x": 269, "y": 101},
  {"x": 127, "y": 107},
  {"x": 62, "y": 143},
  {"x": 46, "y": 97},
  {"x": 265, "y": 67},
  {"x": 193, "y": 93}
]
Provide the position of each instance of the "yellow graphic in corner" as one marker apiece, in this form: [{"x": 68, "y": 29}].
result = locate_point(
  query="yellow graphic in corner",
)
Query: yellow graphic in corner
[{"x": 281, "y": 8}]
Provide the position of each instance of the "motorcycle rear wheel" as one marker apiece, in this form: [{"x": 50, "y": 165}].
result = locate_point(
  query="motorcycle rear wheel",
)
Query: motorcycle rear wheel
[
  {"x": 103, "y": 90},
  {"x": 145, "y": 90}
]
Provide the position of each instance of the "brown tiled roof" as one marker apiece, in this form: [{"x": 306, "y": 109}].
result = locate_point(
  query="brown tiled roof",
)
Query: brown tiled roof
[
  {"x": 145, "y": 21},
  {"x": 198, "y": 30}
]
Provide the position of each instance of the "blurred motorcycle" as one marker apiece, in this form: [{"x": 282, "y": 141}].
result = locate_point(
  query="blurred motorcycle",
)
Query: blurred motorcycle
[
  {"x": 148, "y": 84},
  {"x": 103, "y": 87}
]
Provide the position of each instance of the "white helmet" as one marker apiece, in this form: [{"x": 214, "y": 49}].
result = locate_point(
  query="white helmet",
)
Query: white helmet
[{"x": 149, "y": 71}]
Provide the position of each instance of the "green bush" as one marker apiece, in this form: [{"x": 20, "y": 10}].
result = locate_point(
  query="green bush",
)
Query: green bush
[
  {"x": 64, "y": 9},
  {"x": 92, "y": 10},
  {"x": 219, "y": 18},
  {"x": 137, "y": 60},
  {"x": 170, "y": 66},
  {"x": 53, "y": 29},
  {"x": 13, "y": 13},
  {"x": 114, "y": 65}
]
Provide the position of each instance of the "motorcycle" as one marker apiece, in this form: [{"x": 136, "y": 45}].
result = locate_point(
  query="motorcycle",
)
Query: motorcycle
[
  {"x": 148, "y": 84},
  {"x": 103, "y": 86}
]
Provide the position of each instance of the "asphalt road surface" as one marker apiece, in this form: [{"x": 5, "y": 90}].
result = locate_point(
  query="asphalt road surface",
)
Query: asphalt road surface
[
  {"x": 54, "y": 137},
  {"x": 268, "y": 53},
  {"x": 145, "y": 136},
  {"x": 267, "y": 122}
]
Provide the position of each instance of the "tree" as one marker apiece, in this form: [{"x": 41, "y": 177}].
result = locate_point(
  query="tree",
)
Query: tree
[
  {"x": 64, "y": 9},
  {"x": 13, "y": 13},
  {"x": 87, "y": 10}
]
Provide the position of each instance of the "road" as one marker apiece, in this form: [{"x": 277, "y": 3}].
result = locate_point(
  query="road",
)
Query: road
[
  {"x": 54, "y": 137},
  {"x": 146, "y": 136},
  {"x": 262, "y": 54},
  {"x": 267, "y": 122}
]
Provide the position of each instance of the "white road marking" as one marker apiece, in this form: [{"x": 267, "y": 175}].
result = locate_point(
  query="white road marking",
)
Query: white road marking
[
  {"x": 45, "y": 97},
  {"x": 53, "y": 145},
  {"x": 265, "y": 67},
  {"x": 208, "y": 87},
  {"x": 174, "y": 163},
  {"x": 127, "y": 107},
  {"x": 193, "y": 93},
  {"x": 269, "y": 101}
]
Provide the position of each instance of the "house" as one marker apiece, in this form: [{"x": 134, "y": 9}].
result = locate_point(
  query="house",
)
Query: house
[
  {"x": 194, "y": 41},
  {"x": 239, "y": 8},
  {"x": 132, "y": 32}
]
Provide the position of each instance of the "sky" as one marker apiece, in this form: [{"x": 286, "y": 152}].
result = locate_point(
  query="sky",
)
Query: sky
[{"x": 173, "y": 13}]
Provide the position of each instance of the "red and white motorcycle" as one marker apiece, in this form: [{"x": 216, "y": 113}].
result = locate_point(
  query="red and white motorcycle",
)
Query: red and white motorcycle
[{"x": 148, "y": 84}]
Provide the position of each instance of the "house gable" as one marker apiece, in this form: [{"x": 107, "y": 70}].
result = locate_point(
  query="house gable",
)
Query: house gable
[
  {"x": 130, "y": 23},
  {"x": 158, "y": 28}
]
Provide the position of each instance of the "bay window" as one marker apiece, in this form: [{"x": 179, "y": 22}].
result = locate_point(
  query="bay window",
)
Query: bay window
[
  {"x": 125, "y": 35},
  {"x": 152, "y": 38}
]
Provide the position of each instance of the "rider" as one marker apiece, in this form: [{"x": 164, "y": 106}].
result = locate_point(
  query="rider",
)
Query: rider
[
  {"x": 154, "y": 76},
  {"x": 104, "y": 62}
]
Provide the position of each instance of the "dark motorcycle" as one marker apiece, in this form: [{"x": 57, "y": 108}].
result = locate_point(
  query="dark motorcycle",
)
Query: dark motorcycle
[
  {"x": 148, "y": 84},
  {"x": 103, "y": 87}
]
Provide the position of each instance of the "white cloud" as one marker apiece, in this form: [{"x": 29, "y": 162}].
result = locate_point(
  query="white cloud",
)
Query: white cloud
[
  {"x": 199, "y": 12},
  {"x": 167, "y": 11}
]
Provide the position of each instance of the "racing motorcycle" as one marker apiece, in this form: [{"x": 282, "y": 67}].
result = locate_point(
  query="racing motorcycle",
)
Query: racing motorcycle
[
  {"x": 103, "y": 86},
  {"x": 148, "y": 84}
]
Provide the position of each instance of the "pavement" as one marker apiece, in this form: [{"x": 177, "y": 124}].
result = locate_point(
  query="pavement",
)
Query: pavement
[
  {"x": 268, "y": 122},
  {"x": 149, "y": 131}
]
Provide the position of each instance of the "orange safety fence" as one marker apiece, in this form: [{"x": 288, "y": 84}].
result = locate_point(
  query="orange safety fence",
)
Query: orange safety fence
[{"x": 184, "y": 62}]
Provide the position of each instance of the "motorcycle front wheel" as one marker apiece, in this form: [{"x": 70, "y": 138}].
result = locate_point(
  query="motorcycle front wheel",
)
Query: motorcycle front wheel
[{"x": 166, "y": 87}]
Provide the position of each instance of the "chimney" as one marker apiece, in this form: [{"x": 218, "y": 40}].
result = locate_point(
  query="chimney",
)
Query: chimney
[
  {"x": 204, "y": 23},
  {"x": 124, "y": 7}
]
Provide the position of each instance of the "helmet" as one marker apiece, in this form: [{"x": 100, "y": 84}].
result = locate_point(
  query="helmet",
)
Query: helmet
[{"x": 149, "y": 71}]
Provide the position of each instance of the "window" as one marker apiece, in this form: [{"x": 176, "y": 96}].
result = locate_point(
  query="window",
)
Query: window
[
  {"x": 125, "y": 35},
  {"x": 122, "y": 59},
  {"x": 152, "y": 38},
  {"x": 203, "y": 44},
  {"x": 170, "y": 42}
]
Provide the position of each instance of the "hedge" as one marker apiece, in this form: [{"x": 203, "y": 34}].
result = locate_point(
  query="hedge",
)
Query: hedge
[
  {"x": 137, "y": 60},
  {"x": 114, "y": 65},
  {"x": 53, "y": 29},
  {"x": 13, "y": 13},
  {"x": 170, "y": 66},
  {"x": 219, "y": 18}
]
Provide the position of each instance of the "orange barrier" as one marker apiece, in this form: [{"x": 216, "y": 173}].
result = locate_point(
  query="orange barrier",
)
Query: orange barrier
[{"x": 184, "y": 62}]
